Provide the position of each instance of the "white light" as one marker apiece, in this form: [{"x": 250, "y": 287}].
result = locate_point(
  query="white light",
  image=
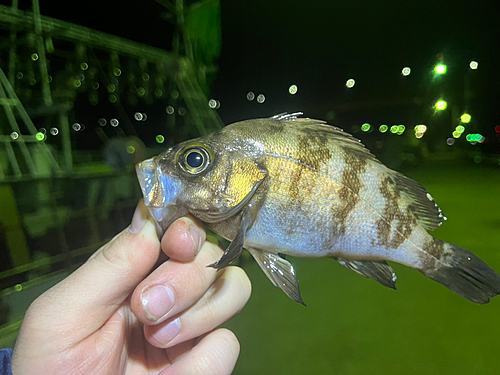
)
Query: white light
[
  {"x": 138, "y": 116},
  {"x": 76, "y": 127},
  {"x": 54, "y": 131},
  {"x": 170, "y": 110},
  {"x": 250, "y": 96},
  {"x": 473, "y": 64},
  {"x": 293, "y": 89},
  {"x": 114, "y": 122},
  {"x": 14, "y": 135},
  {"x": 406, "y": 71},
  {"x": 102, "y": 121},
  {"x": 261, "y": 98},
  {"x": 350, "y": 83},
  {"x": 217, "y": 104},
  {"x": 450, "y": 141},
  {"x": 182, "y": 111},
  {"x": 212, "y": 103}
]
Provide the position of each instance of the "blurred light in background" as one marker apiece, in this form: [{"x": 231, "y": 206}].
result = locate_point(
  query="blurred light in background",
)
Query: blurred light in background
[
  {"x": 440, "y": 69},
  {"x": 160, "y": 138},
  {"x": 394, "y": 129},
  {"x": 250, "y": 96},
  {"x": 350, "y": 83},
  {"x": 34, "y": 57},
  {"x": 102, "y": 121},
  {"x": 450, "y": 141},
  {"x": 475, "y": 138},
  {"x": 138, "y": 116},
  {"x": 261, "y": 98},
  {"x": 84, "y": 66},
  {"x": 54, "y": 131},
  {"x": 456, "y": 134},
  {"x": 130, "y": 149},
  {"x": 497, "y": 129},
  {"x": 383, "y": 128},
  {"x": 114, "y": 122},
  {"x": 401, "y": 129},
  {"x": 293, "y": 89},
  {"x": 76, "y": 127},
  {"x": 181, "y": 111},
  {"x": 40, "y": 136},
  {"x": 441, "y": 105},
  {"x": 212, "y": 103},
  {"x": 365, "y": 127},
  {"x": 170, "y": 110},
  {"x": 465, "y": 118},
  {"x": 117, "y": 72},
  {"x": 406, "y": 71},
  {"x": 473, "y": 65},
  {"x": 14, "y": 135}
]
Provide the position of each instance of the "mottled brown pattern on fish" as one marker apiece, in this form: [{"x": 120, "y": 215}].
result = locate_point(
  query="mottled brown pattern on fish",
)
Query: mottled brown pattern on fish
[
  {"x": 406, "y": 223},
  {"x": 349, "y": 191},
  {"x": 383, "y": 224},
  {"x": 434, "y": 248}
]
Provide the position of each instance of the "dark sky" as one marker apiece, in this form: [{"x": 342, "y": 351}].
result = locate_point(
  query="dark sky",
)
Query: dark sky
[{"x": 317, "y": 45}]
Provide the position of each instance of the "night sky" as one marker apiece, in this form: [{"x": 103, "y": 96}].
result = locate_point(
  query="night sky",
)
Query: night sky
[{"x": 318, "y": 45}]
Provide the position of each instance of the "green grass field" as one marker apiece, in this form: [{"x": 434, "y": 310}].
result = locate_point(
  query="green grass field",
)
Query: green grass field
[{"x": 353, "y": 325}]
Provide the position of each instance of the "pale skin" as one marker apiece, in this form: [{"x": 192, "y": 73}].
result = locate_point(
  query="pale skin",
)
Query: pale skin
[{"x": 106, "y": 318}]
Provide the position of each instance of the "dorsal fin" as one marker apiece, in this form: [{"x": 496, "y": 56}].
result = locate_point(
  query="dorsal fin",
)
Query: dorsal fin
[{"x": 420, "y": 202}]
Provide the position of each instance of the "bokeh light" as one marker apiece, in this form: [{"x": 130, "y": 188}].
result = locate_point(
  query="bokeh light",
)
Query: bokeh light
[
  {"x": 394, "y": 129},
  {"x": 117, "y": 72},
  {"x": 465, "y": 118},
  {"x": 401, "y": 129},
  {"x": 40, "y": 136},
  {"x": 114, "y": 122},
  {"x": 450, "y": 141},
  {"x": 250, "y": 96},
  {"x": 170, "y": 110},
  {"x": 406, "y": 71},
  {"x": 293, "y": 89},
  {"x": 54, "y": 131},
  {"x": 102, "y": 121},
  {"x": 475, "y": 137},
  {"x": 261, "y": 98},
  {"x": 130, "y": 149},
  {"x": 440, "y": 69},
  {"x": 76, "y": 127},
  {"x": 350, "y": 83},
  {"x": 440, "y": 105},
  {"x": 182, "y": 111},
  {"x": 34, "y": 56},
  {"x": 212, "y": 103},
  {"x": 473, "y": 65},
  {"x": 160, "y": 138},
  {"x": 421, "y": 128},
  {"x": 138, "y": 116},
  {"x": 456, "y": 134},
  {"x": 383, "y": 128},
  {"x": 14, "y": 135},
  {"x": 365, "y": 127}
]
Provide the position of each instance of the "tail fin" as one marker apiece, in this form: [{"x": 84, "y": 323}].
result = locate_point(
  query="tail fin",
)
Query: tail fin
[{"x": 463, "y": 273}]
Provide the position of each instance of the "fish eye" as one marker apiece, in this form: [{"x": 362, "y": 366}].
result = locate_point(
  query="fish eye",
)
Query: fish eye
[{"x": 194, "y": 159}]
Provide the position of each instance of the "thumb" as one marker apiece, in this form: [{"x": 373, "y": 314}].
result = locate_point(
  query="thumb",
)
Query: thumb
[{"x": 86, "y": 299}]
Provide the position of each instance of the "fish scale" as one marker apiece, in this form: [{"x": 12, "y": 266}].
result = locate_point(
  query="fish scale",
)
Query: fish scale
[{"x": 300, "y": 187}]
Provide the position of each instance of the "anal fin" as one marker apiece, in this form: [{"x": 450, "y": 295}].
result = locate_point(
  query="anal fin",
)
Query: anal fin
[
  {"x": 378, "y": 271},
  {"x": 280, "y": 272}
]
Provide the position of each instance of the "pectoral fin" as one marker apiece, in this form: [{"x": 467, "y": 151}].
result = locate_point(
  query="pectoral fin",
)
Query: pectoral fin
[
  {"x": 280, "y": 272},
  {"x": 378, "y": 271},
  {"x": 235, "y": 248}
]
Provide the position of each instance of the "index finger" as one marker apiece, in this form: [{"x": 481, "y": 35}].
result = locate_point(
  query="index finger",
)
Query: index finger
[{"x": 183, "y": 239}]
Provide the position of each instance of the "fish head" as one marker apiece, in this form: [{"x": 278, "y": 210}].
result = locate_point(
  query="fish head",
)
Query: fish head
[{"x": 208, "y": 177}]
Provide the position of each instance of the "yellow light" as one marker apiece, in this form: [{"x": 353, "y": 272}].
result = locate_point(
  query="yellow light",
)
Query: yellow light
[
  {"x": 465, "y": 118},
  {"x": 350, "y": 83},
  {"x": 421, "y": 128},
  {"x": 394, "y": 129},
  {"x": 440, "y": 69},
  {"x": 456, "y": 134},
  {"x": 419, "y": 134},
  {"x": 460, "y": 129},
  {"x": 293, "y": 89},
  {"x": 383, "y": 128},
  {"x": 40, "y": 136},
  {"x": 406, "y": 71},
  {"x": 365, "y": 127},
  {"x": 473, "y": 65},
  {"x": 441, "y": 105}
]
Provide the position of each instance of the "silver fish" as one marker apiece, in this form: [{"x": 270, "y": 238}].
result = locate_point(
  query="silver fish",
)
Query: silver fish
[{"x": 300, "y": 187}]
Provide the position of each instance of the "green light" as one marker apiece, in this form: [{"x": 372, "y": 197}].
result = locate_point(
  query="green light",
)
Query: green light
[
  {"x": 401, "y": 129},
  {"x": 456, "y": 134},
  {"x": 460, "y": 129},
  {"x": 160, "y": 138},
  {"x": 440, "y": 69},
  {"x": 130, "y": 149},
  {"x": 465, "y": 118},
  {"x": 117, "y": 72},
  {"x": 77, "y": 83},
  {"x": 111, "y": 88},
  {"x": 34, "y": 57},
  {"x": 84, "y": 66},
  {"x": 293, "y": 89},
  {"x": 40, "y": 136},
  {"x": 474, "y": 137},
  {"x": 394, "y": 129},
  {"x": 383, "y": 128},
  {"x": 365, "y": 127},
  {"x": 18, "y": 287},
  {"x": 441, "y": 105},
  {"x": 421, "y": 128}
]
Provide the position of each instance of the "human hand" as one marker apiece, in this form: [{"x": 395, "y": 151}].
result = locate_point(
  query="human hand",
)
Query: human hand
[{"x": 111, "y": 317}]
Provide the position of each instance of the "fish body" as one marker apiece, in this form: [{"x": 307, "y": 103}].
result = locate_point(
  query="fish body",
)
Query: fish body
[{"x": 300, "y": 187}]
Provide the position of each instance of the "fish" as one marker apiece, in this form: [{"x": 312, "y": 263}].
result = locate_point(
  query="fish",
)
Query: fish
[{"x": 289, "y": 185}]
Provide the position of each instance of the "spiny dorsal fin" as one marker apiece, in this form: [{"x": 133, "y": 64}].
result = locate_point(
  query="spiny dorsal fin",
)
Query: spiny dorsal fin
[{"x": 421, "y": 203}]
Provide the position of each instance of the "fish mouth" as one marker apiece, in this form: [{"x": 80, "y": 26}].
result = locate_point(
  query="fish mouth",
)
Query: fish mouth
[{"x": 160, "y": 192}]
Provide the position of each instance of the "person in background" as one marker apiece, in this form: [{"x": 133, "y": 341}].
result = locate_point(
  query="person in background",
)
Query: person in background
[{"x": 114, "y": 316}]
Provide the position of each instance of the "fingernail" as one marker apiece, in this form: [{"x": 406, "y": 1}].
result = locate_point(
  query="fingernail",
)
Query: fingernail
[
  {"x": 168, "y": 332},
  {"x": 157, "y": 301},
  {"x": 138, "y": 220},
  {"x": 194, "y": 232}
]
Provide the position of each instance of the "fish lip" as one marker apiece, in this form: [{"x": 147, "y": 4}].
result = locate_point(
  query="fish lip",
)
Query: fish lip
[{"x": 160, "y": 190}]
